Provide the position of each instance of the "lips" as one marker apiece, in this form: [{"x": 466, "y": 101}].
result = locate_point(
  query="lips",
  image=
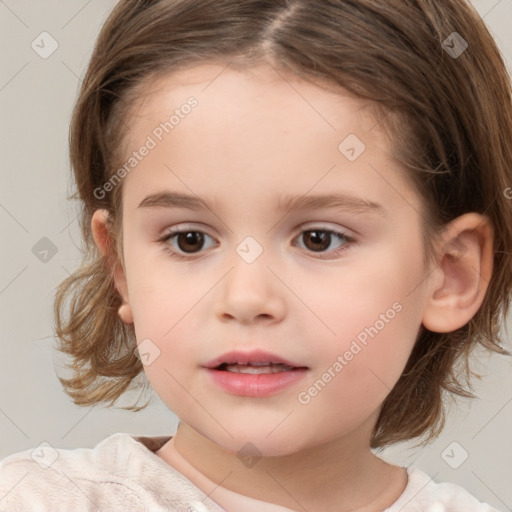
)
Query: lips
[
  {"x": 254, "y": 358},
  {"x": 255, "y": 368},
  {"x": 254, "y": 374}
]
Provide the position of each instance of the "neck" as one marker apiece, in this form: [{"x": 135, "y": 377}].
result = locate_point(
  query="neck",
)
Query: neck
[{"x": 342, "y": 474}]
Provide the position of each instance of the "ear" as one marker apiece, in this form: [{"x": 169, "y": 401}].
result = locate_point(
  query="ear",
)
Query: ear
[
  {"x": 101, "y": 232},
  {"x": 462, "y": 274}
]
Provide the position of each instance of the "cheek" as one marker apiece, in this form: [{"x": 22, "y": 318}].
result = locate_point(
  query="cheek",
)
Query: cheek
[
  {"x": 356, "y": 376},
  {"x": 162, "y": 308},
  {"x": 375, "y": 315},
  {"x": 377, "y": 292},
  {"x": 164, "y": 329},
  {"x": 158, "y": 297}
]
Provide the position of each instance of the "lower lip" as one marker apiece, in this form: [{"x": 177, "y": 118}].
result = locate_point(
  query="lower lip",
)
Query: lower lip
[{"x": 250, "y": 384}]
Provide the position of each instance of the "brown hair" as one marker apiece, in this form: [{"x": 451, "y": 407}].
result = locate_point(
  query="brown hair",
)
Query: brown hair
[{"x": 450, "y": 120}]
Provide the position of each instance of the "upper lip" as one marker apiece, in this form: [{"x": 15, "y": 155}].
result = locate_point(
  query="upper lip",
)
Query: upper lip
[{"x": 253, "y": 356}]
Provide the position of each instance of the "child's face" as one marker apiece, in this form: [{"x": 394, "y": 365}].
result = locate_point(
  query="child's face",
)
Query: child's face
[{"x": 252, "y": 140}]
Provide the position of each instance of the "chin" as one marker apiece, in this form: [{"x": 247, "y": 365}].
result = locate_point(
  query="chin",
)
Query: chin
[{"x": 255, "y": 441}]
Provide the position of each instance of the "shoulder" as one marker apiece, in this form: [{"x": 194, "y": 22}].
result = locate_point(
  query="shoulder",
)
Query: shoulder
[
  {"x": 119, "y": 473},
  {"x": 46, "y": 477},
  {"x": 422, "y": 494}
]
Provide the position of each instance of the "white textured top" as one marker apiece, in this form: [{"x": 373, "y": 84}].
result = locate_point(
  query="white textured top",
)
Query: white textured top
[{"x": 122, "y": 473}]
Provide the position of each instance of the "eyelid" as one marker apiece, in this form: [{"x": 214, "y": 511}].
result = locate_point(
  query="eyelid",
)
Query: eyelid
[
  {"x": 325, "y": 226},
  {"x": 186, "y": 226},
  {"x": 179, "y": 228},
  {"x": 171, "y": 233},
  {"x": 309, "y": 226},
  {"x": 349, "y": 241}
]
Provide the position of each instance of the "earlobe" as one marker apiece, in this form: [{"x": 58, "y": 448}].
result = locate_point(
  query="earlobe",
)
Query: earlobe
[
  {"x": 461, "y": 278},
  {"x": 102, "y": 238},
  {"x": 125, "y": 313}
]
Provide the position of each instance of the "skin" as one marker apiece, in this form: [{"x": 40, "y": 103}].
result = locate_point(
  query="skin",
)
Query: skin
[{"x": 255, "y": 136}]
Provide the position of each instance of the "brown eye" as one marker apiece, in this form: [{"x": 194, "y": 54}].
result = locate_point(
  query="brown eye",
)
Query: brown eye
[
  {"x": 184, "y": 242},
  {"x": 180, "y": 244},
  {"x": 317, "y": 240},
  {"x": 190, "y": 241}
]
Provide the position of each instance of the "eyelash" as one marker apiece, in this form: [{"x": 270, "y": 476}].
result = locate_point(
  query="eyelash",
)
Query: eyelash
[{"x": 164, "y": 241}]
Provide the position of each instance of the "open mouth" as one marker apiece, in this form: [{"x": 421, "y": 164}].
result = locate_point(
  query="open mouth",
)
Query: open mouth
[
  {"x": 254, "y": 375},
  {"x": 255, "y": 368}
]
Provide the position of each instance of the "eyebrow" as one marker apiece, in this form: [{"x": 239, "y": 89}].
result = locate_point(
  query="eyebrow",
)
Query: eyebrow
[{"x": 166, "y": 199}]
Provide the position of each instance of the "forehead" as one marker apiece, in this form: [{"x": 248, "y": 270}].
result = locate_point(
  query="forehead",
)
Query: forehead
[
  {"x": 254, "y": 128},
  {"x": 263, "y": 90}
]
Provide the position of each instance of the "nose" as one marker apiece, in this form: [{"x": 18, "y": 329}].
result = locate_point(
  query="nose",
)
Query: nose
[{"x": 251, "y": 293}]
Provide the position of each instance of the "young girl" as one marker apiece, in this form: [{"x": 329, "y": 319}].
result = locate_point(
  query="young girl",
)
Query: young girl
[{"x": 341, "y": 172}]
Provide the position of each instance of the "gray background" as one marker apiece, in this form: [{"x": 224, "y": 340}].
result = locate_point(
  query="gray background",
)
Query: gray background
[{"x": 36, "y": 98}]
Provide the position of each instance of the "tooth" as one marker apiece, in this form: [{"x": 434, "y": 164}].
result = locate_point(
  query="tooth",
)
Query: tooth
[
  {"x": 260, "y": 369},
  {"x": 248, "y": 369}
]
